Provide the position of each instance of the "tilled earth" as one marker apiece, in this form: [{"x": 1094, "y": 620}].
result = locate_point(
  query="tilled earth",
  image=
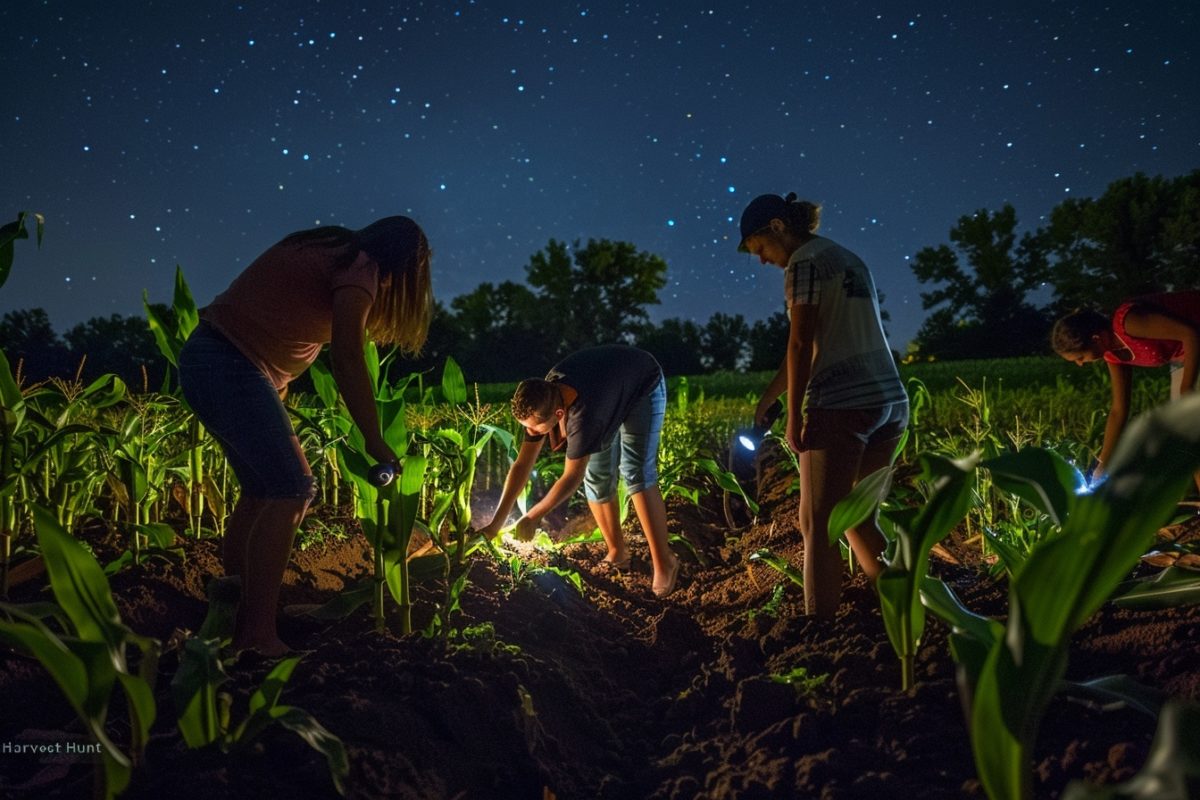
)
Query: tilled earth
[{"x": 613, "y": 695}]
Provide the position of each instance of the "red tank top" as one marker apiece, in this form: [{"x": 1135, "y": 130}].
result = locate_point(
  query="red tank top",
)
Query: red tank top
[{"x": 1154, "y": 352}]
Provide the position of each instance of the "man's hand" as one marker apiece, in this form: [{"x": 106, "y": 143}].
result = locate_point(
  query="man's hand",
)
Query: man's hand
[
  {"x": 525, "y": 528},
  {"x": 491, "y": 530}
]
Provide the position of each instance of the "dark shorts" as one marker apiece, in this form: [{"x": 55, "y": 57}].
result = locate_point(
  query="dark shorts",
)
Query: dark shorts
[
  {"x": 241, "y": 410},
  {"x": 826, "y": 428}
]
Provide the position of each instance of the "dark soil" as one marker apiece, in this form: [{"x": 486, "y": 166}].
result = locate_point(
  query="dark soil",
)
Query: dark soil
[{"x": 612, "y": 695}]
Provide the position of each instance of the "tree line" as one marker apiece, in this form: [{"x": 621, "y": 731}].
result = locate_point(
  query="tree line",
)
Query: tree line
[{"x": 1142, "y": 235}]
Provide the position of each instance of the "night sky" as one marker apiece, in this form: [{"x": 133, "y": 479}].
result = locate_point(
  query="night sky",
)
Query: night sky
[{"x": 198, "y": 133}]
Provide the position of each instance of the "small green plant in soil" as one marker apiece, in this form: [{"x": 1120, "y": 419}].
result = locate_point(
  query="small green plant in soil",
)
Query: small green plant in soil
[
  {"x": 205, "y": 712},
  {"x": 87, "y": 657}
]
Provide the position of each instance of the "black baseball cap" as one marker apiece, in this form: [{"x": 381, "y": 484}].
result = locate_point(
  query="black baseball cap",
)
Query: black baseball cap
[{"x": 759, "y": 214}]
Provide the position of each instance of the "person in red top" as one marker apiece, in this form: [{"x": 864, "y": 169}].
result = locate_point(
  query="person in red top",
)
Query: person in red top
[
  {"x": 1149, "y": 331},
  {"x": 325, "y": 285}
]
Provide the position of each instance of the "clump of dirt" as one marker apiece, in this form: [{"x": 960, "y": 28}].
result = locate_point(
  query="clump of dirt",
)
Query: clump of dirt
[{"x": 542, "y": 692}]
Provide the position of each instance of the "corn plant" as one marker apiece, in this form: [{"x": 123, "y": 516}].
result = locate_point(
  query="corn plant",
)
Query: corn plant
[
  {"x": 1171, "y": 588},
  {"x": 12, "y": 441},
  {"x": 1064, "y": 580},
  {"x": 9, "y": 234},
  {"x": 455, "y": 447},
  {"x": 170, "y": 336},
  {"x": 205, "y": 718},
  {"x": 88, "y": 657}
]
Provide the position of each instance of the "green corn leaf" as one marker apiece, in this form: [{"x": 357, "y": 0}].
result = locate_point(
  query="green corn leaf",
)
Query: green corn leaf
[
  {"x": 1011, "y": 557},
  {"x": 318, "y": 738},
  {"x": 862, "y": 501},
  {"x": 12, "y": 403},
  {"x": 395, "y": 429},
  {"x": 726, "y": 481},
  {"x": 168, "y": 344},
  {"x": 79, "y": 585},
  {"x": 940, "y": 599},
  {"x": 194, "y": 691},
  {"x": 267, "y": 695},
  {"x": 184, "y": 306},
  {"x": 1119, "y": 689},
  {"x": 105, "y": 391},
  {"x": 263, "y": 704},
  {"x": 779, "y": 564},
  {"x": 401, "y": 520},
  {"x": 345, "y": 602},
  {"x": 454, "y": 386},
  {"x": 67, "y": 670},
  {"x": 324, "y": 383},
  {"x": 1067, "y": 578},
  {"x": 428, "y": 567},
  {"x": 1040, "y": 477},
  {"x": 1171, "y": 588},
  {"x": 371, "y": 359},
  {"x": 917, "y": 531}
]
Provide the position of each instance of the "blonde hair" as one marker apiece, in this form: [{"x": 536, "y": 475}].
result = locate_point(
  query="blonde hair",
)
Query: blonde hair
[
  {"x": 403, "y": 305},
  {"x": 801, "y": 216}
]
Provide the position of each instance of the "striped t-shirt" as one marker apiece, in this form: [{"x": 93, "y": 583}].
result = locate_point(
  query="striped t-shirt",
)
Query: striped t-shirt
[{"x": 852, "y": 365}]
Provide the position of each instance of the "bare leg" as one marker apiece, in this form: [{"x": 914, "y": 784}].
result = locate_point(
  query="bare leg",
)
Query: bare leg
[
  {"x": 867, "y": 539},
  {"x": 268, "y": 548},
  {"x": 608, "y": 519},
  {"x": 826, "y": 476},
  {"x": 652, "y": 513},
  {"x": 237, "y": 534}
]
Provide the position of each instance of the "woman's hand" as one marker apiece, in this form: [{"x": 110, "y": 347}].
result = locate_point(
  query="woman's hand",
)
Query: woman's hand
[
  {"x": 795, "y": 433},
  {"x": 382, "y": 454},
  {"x": 762, "y": 410}
]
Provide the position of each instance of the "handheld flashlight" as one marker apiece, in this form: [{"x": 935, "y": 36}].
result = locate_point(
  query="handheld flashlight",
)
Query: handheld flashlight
[
  {"x": 381, "y": 474},
  {"x": 750, "y": 438}
]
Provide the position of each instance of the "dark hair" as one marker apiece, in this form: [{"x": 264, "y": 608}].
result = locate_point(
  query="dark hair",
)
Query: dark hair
[
  {"x": 535, "y": 398},
  {"x": 1073, "y": 332}
]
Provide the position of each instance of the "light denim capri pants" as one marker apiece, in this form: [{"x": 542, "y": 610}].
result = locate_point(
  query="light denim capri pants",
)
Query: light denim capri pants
[{"x": 632, "y": 451}]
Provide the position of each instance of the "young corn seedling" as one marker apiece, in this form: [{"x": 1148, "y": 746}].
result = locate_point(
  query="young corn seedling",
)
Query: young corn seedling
[
  {"x": 204, "y": 712},
  {"x": 88, "y": 657}
]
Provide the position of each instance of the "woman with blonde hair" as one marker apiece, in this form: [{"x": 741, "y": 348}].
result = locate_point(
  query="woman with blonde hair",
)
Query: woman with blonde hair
[{"x": 324, "y": 285}]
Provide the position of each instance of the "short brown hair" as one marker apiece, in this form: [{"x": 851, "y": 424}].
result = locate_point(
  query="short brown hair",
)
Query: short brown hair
[{"x": 535, "y": 398}]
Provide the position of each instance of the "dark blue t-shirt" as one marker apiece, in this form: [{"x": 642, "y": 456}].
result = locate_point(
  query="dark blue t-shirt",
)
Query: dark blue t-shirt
[{"x": 608, "y": 380}]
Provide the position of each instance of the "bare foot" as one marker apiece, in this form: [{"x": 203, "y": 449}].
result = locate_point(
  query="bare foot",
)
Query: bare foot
[
  {"x": 618, "y": 559},
  {"x": 664, "y": 581}
]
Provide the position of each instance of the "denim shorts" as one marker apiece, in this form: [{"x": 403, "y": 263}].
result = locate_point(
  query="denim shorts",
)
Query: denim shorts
[
  {"x": 836, "y": 428},
  {"x": 633, "y": 450},
  {"x": 242, "y": 411}
]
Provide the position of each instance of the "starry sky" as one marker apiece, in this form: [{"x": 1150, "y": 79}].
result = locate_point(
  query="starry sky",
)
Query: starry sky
[{"x": 156, "y": 133}]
